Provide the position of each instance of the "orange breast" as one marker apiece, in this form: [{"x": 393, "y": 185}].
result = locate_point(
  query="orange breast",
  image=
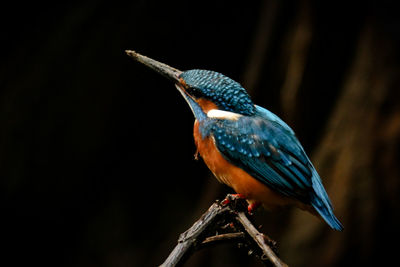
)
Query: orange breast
[{"x": 235, "y": 177}]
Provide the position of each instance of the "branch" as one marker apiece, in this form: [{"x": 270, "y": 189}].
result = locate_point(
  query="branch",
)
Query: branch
[
  {"x": 211, "y": 240},
  {"x": 187, "y": 240},
  {"x": 260, "y": 239},
  {"x": 223, "y": 218}
]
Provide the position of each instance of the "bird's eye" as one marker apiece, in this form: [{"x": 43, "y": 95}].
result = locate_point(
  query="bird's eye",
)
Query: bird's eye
[{"x": 195, "y": 92}]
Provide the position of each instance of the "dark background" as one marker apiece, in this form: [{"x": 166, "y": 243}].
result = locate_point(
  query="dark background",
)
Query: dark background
[{"x": 96, "y": 151}]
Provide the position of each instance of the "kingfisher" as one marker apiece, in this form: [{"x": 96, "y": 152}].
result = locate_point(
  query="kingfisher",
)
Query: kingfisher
[{"x": 246, "y": 146}]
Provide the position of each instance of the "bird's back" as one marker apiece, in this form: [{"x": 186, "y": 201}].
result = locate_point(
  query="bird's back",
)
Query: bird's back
[{"x": 267, "y": 149}]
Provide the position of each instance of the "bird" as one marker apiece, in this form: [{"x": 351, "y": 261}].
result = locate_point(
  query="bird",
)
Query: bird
[{"x": 246, "y": 146}]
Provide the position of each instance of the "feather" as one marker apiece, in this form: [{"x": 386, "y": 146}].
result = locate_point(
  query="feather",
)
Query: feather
[
  {"x": 267, "y": 148},
  {"x": 258, "y": 146}
]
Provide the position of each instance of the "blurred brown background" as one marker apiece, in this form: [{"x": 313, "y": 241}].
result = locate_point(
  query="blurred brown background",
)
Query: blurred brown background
[{"x": 96, "y": 151}]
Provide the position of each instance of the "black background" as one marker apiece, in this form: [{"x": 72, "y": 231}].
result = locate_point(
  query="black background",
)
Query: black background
[{"x": 96, "y": 151}]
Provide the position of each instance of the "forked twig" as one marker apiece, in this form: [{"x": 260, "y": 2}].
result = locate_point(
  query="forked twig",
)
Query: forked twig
[{"x": 222, "y": 218}]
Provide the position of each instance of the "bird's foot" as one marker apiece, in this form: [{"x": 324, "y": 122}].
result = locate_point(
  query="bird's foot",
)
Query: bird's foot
[
  {"x": 232, "y": 197},
  {"x": 252, "y": 207}
]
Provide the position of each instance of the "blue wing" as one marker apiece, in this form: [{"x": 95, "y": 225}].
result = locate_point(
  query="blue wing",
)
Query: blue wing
[{"x": 267, "y": 148}]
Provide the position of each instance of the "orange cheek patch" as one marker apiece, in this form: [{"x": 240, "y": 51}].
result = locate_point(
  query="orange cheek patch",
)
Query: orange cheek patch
[
  {"x": 183, "y": 83},
  {"x": 206, "y": 105}
]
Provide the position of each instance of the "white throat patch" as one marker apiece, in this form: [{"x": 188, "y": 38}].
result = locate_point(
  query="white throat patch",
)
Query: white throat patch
[{"x": 222, "y": 114}]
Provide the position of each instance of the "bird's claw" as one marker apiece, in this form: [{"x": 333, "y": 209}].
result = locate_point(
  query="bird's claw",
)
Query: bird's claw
[
  {"x": 252, "y": 207},
  {"x": 232, "y": 197}
]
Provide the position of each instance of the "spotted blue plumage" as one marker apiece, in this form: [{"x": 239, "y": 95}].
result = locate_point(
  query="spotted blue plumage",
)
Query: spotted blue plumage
[
  {"x": 223, "y": 91},
  {"x": 259, "y": 142},
  {"x": 266, "y": 148},
  {"x": 246, "y": 135}
]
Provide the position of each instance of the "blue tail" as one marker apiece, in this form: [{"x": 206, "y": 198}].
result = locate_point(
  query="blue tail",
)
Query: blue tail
[{"x": 320, "y": 201}]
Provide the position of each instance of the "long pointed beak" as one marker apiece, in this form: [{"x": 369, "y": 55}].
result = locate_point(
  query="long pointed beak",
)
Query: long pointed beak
[
  {"x": 170, "y": 73},
  {"x": 165, "y": 70}
]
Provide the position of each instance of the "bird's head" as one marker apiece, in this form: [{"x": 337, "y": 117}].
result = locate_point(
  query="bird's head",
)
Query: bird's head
[{"x": 204, "y": 89}]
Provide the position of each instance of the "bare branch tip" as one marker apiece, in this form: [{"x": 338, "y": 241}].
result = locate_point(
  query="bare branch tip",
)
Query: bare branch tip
[{"x": 131, "y": 53}]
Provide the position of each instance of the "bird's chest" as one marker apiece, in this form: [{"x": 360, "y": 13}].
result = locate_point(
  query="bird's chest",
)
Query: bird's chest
[
  {"x": 206, "y": 147},
  {"x": 233, "y": 176}
]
